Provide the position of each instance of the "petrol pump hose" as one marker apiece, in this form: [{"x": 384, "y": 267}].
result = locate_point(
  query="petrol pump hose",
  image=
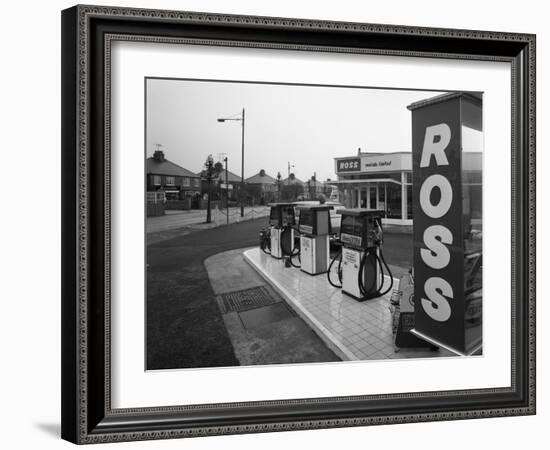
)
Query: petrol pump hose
[
  {"x": 339, "y": 271},
  {"x": 290, "y": 252},
  {"x": 381, "y": 262},
  {"x": 295, "y": 252},
  {"x": 265, "y": 241}
]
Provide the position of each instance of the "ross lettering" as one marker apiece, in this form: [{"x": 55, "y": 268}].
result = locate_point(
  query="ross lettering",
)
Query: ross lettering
[
  {"x": 437, "y": 255},
  {"x": 436, "y": 305},
  {"x": 446, "y": 198},
  {"x": 348, "y": 165},
  {"x": 436, "y": 140}
]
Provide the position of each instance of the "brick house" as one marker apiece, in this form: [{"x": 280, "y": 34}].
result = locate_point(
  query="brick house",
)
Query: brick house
[
  {"x": 262, "y": 187},
  {"x": 218, "y": 187},
  {"x": 175, "y": 181}
]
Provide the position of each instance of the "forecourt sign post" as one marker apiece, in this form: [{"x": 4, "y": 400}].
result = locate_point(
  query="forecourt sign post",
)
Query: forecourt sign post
[{"x": 440, "y": 220}]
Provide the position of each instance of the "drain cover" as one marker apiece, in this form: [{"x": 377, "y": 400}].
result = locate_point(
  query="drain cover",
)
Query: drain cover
[{"x": 247, "y": 299}]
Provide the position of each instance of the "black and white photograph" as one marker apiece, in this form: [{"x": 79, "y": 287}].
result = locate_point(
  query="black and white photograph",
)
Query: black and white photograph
[{"x": 300, "y": 223}]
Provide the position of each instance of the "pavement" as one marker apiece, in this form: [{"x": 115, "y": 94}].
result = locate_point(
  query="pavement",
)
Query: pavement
[
  {"x": 265, "y": 333},
  {"x": 196, "y": 218}
]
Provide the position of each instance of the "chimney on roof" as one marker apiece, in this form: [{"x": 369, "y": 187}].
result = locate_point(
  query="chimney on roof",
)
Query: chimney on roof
[
  {"x": 158, "y": 156},
  {"x": 262, "y": 173}
]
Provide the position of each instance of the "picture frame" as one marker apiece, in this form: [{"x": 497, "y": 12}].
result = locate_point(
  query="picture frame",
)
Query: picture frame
[{"x": 87, "y": 35}]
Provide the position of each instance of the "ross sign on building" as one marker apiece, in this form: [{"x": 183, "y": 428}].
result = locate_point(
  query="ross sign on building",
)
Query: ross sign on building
[{"x": 384, "y": 162}]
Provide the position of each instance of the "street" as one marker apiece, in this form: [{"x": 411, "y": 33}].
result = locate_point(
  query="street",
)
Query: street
[{"x": 185, "y": 327}]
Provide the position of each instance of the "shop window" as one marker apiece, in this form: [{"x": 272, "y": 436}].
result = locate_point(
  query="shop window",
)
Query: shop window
[
  {"x": 363, "y": 199},
  {"x": 372, "y": 199},
  {"x": 409, "y": 202},
  {"x": 393, "y": 203},
  {"x": 382, "y": 199}
]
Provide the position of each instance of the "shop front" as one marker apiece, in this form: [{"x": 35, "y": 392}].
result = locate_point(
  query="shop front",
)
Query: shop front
[{"x": 381, "y": 181}]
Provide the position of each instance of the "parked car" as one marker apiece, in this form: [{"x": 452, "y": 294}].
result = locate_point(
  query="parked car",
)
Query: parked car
[{"x": 335, "y": 217}]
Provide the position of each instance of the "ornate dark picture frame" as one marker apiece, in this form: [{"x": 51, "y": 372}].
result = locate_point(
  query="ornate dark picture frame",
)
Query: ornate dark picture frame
[{"x": 87, "y": 33}]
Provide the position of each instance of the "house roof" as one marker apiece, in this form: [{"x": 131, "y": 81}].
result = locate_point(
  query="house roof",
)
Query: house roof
[
  {"x": 231, "y": 177},
  {"x": 292, "y": 181},
  {"x": 259, "y": 179},
  {"x": 311, "y": 182},
  {"x": 167, "y": 168}
]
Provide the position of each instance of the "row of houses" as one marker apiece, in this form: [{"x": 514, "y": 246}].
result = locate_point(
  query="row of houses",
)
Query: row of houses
[{"x": 177, "y": 184}]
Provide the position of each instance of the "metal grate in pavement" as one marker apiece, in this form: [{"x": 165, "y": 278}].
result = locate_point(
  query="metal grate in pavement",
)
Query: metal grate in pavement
[{"x": 246, "y": 299}]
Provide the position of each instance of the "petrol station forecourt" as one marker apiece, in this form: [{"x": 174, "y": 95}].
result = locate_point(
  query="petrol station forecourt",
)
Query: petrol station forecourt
[
  {"x": 202, "y": 264},
  {"x": 286, "y": 286}
]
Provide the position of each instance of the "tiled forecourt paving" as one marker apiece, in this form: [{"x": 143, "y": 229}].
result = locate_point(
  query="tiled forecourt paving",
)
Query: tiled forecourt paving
[{"x": 353, "y": 330}]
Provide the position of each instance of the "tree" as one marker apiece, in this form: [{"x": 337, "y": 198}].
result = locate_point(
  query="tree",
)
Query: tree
[
  {"x": 291, "y": 191},
  {"x": 254, "y": 192},
  {"x": 218, "y": 168}
]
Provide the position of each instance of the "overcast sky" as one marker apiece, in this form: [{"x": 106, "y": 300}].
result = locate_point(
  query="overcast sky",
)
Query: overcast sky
[{"x": 307, "y": 126}]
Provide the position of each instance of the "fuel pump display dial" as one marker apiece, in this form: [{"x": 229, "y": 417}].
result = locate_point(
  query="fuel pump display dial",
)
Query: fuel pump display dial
[{"x": 360, "y": 227}]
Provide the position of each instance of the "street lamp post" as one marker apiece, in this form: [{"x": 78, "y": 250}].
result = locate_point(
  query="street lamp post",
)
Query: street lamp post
[
  {"x": 226, "y": 191},
  {"x": 279, "y": 186},
  {"x": 239, "y": 119},
  {"x": 209, "y": 164}
]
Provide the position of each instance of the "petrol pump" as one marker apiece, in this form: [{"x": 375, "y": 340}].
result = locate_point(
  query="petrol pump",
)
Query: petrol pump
[
  {"x": 314, "y": 228},
  {"x": 362, "y": 265},
  {"x": 281, "y": 221}
]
